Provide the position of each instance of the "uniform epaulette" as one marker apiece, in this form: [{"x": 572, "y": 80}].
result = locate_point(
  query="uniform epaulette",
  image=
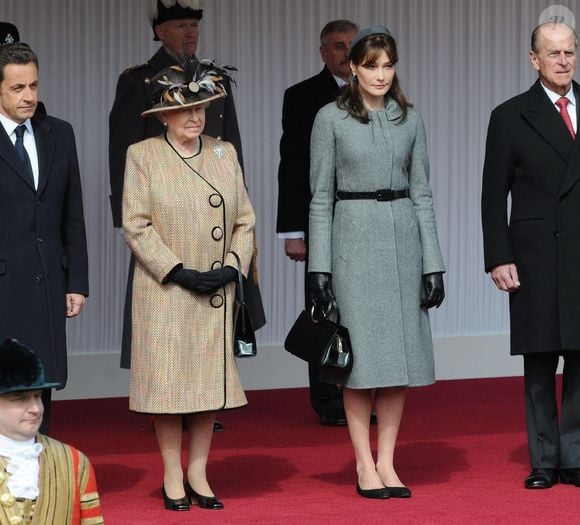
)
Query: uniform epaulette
[{"x": 135, "y": 68}]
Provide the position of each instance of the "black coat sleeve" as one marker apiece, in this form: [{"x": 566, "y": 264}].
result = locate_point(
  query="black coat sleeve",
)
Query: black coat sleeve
[
  {"x": 294, "y": 169},
  {"x": 73, "y": 233},
  {"x": 126, "y": 127},
  {"x": 498, "y": 172}
]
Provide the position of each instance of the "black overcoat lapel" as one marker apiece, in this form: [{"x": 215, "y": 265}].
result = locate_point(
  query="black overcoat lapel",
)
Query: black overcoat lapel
[
  {"x": 45, "y": 146},
  {"x": 545, "y": 120},
  {"x": 572, "y": 174}
]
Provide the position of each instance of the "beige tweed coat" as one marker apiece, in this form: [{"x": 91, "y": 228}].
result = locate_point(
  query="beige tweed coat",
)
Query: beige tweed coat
[{"x": 196, "y": 212}]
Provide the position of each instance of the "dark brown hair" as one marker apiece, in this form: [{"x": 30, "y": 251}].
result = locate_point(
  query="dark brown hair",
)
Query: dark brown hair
[
  {"x": 366, "y": 52},
  {"x": 19, "y": 54}
]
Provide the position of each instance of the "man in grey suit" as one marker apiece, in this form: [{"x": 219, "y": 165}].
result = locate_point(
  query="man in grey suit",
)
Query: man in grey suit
[
  {"x": 301, "y": 103},
  {"x": 532, "y": 155}
]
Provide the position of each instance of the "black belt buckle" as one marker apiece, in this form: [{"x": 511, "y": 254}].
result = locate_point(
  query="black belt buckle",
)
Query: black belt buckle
[{"x": 384, "y": 195}]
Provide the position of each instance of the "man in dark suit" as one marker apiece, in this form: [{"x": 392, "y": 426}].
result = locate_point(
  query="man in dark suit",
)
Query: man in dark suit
[
  {"x": 43, "y": 251},
  {"x": 177, "y": 27},
  {"x": 301, "y": 104},
  {"x": 532, "y": 154}
]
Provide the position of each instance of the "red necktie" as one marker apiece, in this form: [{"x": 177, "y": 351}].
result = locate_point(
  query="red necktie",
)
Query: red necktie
[{"x": 562, "y": 102}]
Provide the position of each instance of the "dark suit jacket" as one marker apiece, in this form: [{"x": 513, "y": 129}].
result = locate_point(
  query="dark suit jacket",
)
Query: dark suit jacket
[
  {"x": 127, "y": 126},
  {"x": 531, "y": 156},
  {"x": 301, "y": 104},
  {"x": 43, "y": 251}
]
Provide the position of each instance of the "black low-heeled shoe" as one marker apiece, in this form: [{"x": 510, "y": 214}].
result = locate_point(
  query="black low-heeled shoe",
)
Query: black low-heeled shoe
[
  {"x": 372, "y": 493},
  {"x": 174, "y": 504},
  {"x": 399, "y": 492},
  {"x": 204, "y": 502}
]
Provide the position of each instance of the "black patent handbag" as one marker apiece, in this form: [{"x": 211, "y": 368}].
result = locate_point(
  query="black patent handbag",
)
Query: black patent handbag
[
  {"x": 244, "y": 335},
  {"x": 320, "y": 341}
]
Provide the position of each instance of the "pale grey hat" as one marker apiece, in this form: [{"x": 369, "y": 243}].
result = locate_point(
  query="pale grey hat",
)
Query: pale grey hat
[{"x": 368, "y": 31}]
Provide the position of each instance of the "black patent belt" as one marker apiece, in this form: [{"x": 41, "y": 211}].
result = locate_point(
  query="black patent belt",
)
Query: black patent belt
[{"x": 379, "y": 195}]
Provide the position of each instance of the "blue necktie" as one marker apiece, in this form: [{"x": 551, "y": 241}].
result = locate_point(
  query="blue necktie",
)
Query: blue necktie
[{"x": 21, "y": 150}]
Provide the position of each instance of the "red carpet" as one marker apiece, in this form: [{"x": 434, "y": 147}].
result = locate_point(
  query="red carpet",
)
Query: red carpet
[{"x": 462, "y": 450}]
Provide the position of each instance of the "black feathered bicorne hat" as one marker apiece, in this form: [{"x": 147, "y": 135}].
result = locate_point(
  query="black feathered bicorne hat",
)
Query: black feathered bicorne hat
[
  {"x": 20, "y": 369},
  {"x": 160, "y": 11}
]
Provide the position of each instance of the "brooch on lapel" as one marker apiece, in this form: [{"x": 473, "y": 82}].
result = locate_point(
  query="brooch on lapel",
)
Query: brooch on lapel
[{"x": 219, "y": 151}]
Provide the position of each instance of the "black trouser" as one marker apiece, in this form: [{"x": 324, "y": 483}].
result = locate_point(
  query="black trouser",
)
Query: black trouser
[
  {"x": 325, "y": 398},
  {"x": 46, "y": 401},
  {"x": 552, "y": 442}
]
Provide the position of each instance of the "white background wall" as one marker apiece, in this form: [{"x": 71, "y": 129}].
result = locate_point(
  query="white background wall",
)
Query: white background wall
[{"x": 458, "y": 59}]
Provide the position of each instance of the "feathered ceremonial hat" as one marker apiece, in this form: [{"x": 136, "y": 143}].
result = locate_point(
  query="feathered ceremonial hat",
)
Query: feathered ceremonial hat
[
  {"x": 20, "y": 369},
  {"x": 192, "y": 83},
  {"x": 8, "y": 33},
  {"x": 160, "y": 11}
]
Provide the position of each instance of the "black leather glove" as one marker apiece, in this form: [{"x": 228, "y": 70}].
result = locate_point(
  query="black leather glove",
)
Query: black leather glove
[
  {"x": 188, "y": 279},
  {"x": 215, "y": 279},
  {"x": 433, "y": 291},
  {"x": 321, "y": 296}
]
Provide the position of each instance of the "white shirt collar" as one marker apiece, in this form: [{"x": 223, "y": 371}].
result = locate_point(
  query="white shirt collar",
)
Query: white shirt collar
[
  {"x": 339, "y": 81},
  {"x": 10, "y": 125},
  {"x": 555, "y": 96}
]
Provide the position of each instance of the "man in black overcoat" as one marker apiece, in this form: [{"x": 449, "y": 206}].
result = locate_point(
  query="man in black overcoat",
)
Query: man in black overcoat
[
  {"x": 533, "y": 156},
  {"x": 176, "y": 24},
  {"x": 43, "y": 250},
  {"x": 301, "y": 104}
]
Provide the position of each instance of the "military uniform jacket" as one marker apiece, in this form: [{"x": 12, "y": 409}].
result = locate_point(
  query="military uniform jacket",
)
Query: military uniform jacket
[
  {"x": 67, "y": 490},
  {"x": 195, "y": 212},
  {"x": 531, "y": 156}
]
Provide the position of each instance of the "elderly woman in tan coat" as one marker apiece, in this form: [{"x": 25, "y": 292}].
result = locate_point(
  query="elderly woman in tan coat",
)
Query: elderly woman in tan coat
[{"x": 187, "y": 219}]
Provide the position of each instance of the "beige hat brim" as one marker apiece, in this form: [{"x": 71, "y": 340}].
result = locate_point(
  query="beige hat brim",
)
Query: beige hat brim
[{"x": 160, "y": 109}]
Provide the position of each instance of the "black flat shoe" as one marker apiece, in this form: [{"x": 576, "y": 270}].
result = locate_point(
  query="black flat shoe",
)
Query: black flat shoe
[
  {"x": 372, "y": 493},
  {"x": 399, "y": 492},
  {"x": 204, "y": 502},
  {"x": 541, "y": 478},
  {"x": 333, "y": 421},
  {"x": 174, "y": 504}
]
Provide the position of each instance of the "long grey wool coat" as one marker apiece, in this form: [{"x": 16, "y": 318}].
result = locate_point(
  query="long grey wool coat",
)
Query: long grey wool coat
[
  {"x": 376, "y": 251},
  {"x": 195, "y": 212}
]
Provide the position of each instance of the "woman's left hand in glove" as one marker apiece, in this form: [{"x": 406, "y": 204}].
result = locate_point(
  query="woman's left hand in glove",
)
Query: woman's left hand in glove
[
  {"x": 214, "y": 279},
  {"x": 433, "y": 291}
]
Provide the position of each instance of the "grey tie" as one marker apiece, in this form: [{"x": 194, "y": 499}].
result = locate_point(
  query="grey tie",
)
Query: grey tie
[{"x": 21, "y": 150}]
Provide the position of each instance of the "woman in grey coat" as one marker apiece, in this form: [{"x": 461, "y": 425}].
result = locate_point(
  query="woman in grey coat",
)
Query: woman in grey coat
[{"x": 374, "y": 252}]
